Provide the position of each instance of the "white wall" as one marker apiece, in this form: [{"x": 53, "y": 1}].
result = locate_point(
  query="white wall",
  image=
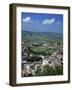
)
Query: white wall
[{"x": 4, "y": 45}]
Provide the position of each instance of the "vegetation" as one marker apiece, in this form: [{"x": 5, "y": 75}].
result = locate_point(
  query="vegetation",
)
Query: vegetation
[
  {"x": 45, "y": 44},
  {"x": 44, "y": 51},
  {"x": 47, "y": 71},
  {"x": 41, "y": 37}
]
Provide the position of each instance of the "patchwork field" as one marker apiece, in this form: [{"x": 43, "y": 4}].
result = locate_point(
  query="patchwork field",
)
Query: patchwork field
[{"x": 42, "y": 54}]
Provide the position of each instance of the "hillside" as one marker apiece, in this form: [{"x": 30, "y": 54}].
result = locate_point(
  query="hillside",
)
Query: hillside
[{"x": 41, "y": 36}]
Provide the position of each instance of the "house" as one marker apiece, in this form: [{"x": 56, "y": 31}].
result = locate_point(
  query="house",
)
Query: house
[{"x": 45, "y": 45}]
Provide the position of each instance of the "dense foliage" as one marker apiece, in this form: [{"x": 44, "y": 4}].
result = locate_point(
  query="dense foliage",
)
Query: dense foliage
[{"x": 49, "y": 71}]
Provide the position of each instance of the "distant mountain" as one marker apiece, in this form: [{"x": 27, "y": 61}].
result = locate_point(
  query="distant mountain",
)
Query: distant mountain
[{"x": 41, "y": 35}]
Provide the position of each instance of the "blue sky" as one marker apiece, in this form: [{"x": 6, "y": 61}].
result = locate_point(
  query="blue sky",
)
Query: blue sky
[{"x": 40, "y": 22}]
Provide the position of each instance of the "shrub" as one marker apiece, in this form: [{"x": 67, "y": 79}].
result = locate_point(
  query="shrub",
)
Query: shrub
[{"x": 48, "y": 71}]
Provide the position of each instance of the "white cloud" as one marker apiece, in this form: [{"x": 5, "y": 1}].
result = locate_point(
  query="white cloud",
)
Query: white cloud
[
  {"x": 27, "y": 19},
  {"x": 48, "y": 21}
]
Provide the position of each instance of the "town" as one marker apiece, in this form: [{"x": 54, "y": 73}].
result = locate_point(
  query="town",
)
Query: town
[{"x": 41, "y": 58}]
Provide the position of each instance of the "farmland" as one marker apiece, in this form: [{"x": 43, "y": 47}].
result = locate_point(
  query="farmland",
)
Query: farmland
[{"x": 42, "y": 54}]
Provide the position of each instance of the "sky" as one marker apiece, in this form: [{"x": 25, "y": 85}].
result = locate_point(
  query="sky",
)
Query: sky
[{"x": 40, "y": 22}]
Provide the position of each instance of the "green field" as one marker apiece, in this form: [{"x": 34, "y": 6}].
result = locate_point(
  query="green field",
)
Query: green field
[{"x": 37, "y": 39}]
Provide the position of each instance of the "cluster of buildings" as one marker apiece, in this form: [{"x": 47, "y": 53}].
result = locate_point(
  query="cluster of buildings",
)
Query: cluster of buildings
[{"x": 29, "y": 66}]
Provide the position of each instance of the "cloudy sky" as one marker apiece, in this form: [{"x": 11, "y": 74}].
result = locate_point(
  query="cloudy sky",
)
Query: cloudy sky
[{"x": 37, "y": 22}]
